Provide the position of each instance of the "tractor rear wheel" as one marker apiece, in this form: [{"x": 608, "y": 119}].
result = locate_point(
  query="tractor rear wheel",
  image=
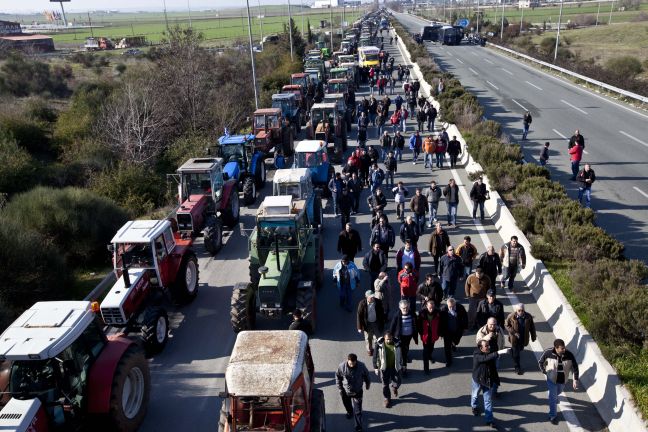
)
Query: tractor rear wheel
[
  {"x": 232, "y": 212},
  {"x": 317, "y": 221},
  {"x": 213, "y": 235},
  {"x": 254, "y": 273},
  {"x": 260, "y": 174},
  {"x": 306, "y": 301},
  {"x": 185, "y": 287},
  {"x": 318, "y": 413},
  {"x": 243, "y": 307},
  {"x": 129, "y": 393},
  {"x": 249, "y": 191},
  {"x": 155, "y": 329}
]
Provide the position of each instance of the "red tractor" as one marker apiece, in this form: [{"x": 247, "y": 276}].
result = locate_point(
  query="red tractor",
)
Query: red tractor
[
  {"x": 65, "y": 374},
  {"x": 150, "y": 260},
  {"x": 272, "y": 130},
  {"x": 208, "y": 199}
]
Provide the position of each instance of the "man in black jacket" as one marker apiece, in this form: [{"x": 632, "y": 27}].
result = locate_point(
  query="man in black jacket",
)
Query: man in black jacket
[
  {"x": 491, "y": 264},
  {"x": 454, "y": 321},
  {"x": 585, "y": 179},
  {"x": 478, "y": 195},
  {"x": 374, "y": 262},
  {"x": 350, "y": 376},
  {"x": 370, "y": 319},
  {"x": 377, "y": 201},
  {"x": 349, "y": 242},
  {"x": 430, "y": 289},
  {"x": 490, "y": 307},
  {"x": 454, "y": 150},
  {"x": 299, "y": 323},
  {"x": 403, "y": 327},
  {"x": 577, "y": 138},
  {"x": 484, "y": 379}
]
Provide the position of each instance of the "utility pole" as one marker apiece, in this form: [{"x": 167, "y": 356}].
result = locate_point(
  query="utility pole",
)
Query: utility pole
[
  {"x": 290, "y": 32},
  {"x": 331, "y": 23},
  {"x": 90, "y": 24},
  {"x": 597, "y": 14},
  {"x": 609, "y": 21},
  {"x": 477, "y": 16},
  {"x": 558, "y": 34},
  {"x": 521, "y": 20},
  {"x": 166, "y": 18},
  {"x": 343, "y": 19},
  {"x": 254, "y": 81},
  {"x": 302, "y": 16},
  {"x": 502, "y": 29},
  {"x": 189, "y": 8},
  {"x": 64, "y": 17},
  {"x": 261, "y": 24}
]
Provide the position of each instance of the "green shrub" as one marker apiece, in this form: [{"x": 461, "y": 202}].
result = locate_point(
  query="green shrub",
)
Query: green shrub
[
  {"x": 543, "y": 187},
  {"x": 40, "y": 110},
  {"x": 622, "y": 317},
  {"x": 23, "y": 77},
  {"x": 625, "y": 66},
  {"x": 16, "y": 166},
  {"x": 561, "y": 215},
  {"x": 489, "y": 128},
  {"x": 77, "y": 221},
  {"x": 28, "y": 133},
  {"x": 136, "y": 189},
  {"x": 182, "y": 149},
  {"x": 524, "y": 216}
]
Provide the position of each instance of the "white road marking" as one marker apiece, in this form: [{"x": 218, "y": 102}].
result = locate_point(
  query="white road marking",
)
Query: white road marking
[
  {"x": 492, "y": 85},
  {"x": 640, "y": 191},
  {"x": 474, "y": 53},
  {"x": 533, "y": 85},
  {"x": 488, "y": 61},
  {"x": 573, "y": 106},
  {"x": 519, "y": 104},
  {"x": 559, "y": 134},
  {"x": 449, "y": 54},
  {"x": 633, "y": 138},
  {"x": 473, "y": 71},
  {"x": 508, "y": 71},
  {"x": 460, "y": 61}
]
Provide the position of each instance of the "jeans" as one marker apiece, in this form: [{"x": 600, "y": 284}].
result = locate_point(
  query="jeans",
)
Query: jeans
[
  {"x": 345, "y": 296},
  {"x": 526, "y": 131},
  {"x": 398, "y": 153},
  {"x": 335, "y": 200},
  {"x": 449, "y": 287},
  {"x": 389, "y": 179},
  {"x": 543, "y": 162},
  {"x": 435, "y": 260},
  {"x": 429, "y": 160},
  {"x": 383, "y": 150},
  {"x": 355, "y": 201},
  {"x": 420, "y": 221},
  {"x": 448, "y": 342},
  {"x": 467, "y": 270},
  {"x": 575, "y": 166},
  {"x": 430, "y": 125},
  {"x": 415, "y": 154},
  {"x": 479, "y": 204},
  {"x": 439, "y": 160},
  {"x": 405, "y": 346},
  {"x": 421, "y": 125},
  {"x": 428, "y": 349},
  {"x": 473, "y": 302},
  {"x": 452, "y": 213},
  {"x": 372, "y": 118},
  {"x": 400, "y": 210},
  {"x": 395, "y": 127},
  {"x": 387, "y": 377},
  {"x": 353, "y": 405},
  {"x": 403, "y": 125},
  {"x": 433, "y": 208},
  {"x": 554, "y": 390},
  {"x": 588, "y": 196},
  {"x": 453, "y": 160},
  {"x": 509, "y": 273},
  {"x": 488, "y": 404}
]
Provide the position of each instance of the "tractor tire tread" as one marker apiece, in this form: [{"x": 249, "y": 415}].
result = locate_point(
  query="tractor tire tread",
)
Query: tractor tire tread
[{"x": 132, "y": 357}]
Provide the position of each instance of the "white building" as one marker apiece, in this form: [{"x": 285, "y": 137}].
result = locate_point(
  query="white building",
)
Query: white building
[{"x": 324, "y": 4}]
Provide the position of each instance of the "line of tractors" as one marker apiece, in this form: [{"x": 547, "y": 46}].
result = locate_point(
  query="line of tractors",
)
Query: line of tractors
[{"x": 66, "y": 364}]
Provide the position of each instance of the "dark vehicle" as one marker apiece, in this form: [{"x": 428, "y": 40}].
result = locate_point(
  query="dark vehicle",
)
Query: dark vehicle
[
  {"x": 450, "y": 36},
  {"x": 431, "y": 33}
]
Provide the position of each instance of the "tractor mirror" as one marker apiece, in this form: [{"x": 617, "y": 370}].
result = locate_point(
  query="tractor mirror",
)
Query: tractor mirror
[{"x": 111, "y": 248}]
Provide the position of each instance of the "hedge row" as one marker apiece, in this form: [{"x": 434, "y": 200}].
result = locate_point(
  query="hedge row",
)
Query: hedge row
[{"x": 607, "y": 289}]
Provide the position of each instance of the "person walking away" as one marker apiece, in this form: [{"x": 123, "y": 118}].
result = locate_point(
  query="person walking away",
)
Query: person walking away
[
  {"x": 377, "y": 202},
  {"x": 350, "y": 377},
  {"x": 490, "y": 308},
  {"x": 403, "y": 327},
  {"x": 453, "y": 323},
  {"x": 557, "y": 363},
  {"x": 399, "y": 145},
  {"x": 428, "y": 327},
  {"x": 467, "y": 252},
  {"x": 440, "y": 152},
  {"x": 433, "y": 196},
  {"x": 403, "y": 118},
  {"x": 409, "y": 231},
  {"x": 381, "y": 119},
  {"x": 376, "y": 177},
  {"x": 408, "y": 281},
  {"x": 494, "y": 334},
  {"x": 400, "y": 193},
  {"x": 365, "y": 163},
  {"x": 585, "y": 179},
  {"x": 387, "y": 363},
  {"x": 345, "y": 204},
  {"x": 299, "y": 323},
  {"x": 479, "y": 195},
  {"x": 370, "y": 319},
  {"x": 526, "y": 121},
  {"x": 383, "y": 291},
  {"x": 415, "y": 144},
  {"x": 391, "y": 167},
  {"x": 477, "y": 285},
  {"x": 347, "y": 277},
  {"x": 576, "y": 139},
  {"x": 431, "y": 117},
  {"x": 430, "y": 289},
  {"x": 374, "y": 262},
  {"x": 429, "y": 147},
  {"x": 513, "y": 257},
  {"x": 450, "y": 269},
  {"x": 491, "y": 265},
  {"x": 438, "y": 245},
  {"x": 419, "y": 207},
  {"x": 349, "y": 242},
  {"x": 335, "y": 186},
  {"x": 385, "y": 145},
  {"x": 355, "y": 189},
  {"x": 484, "y": 379},
  {"x": 408, "y": 254},
  {"x": 575, "y": 156},
  {"x": 421, "y": 118},
  {"x": 544, "y": 154},
  {"x": 451, "y": 192},
  {"x": 521, "y": 328},
  {"x": 454, "y": 150}
]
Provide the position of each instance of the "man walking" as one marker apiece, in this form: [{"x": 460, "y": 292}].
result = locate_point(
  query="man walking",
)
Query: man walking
[
  {"x": 484, "y": 379},
  {"x": 345, "y": 204},
  {"x": 575, "y": 156},
  {"x": 453, "y": 323},
  {"x": 433, "y": 196},
  {"x": 491, "y": 265},
  {"x": 400, "y": 193},
  {"x": 419, "y": 207},
  {"x": 585, "y": 179},
  {"x": 478, "y": 195},
  {"x": 408, "y": 281},
  {"x": 467, "y": 252},
  {"x": 440, "y": 152},
  {"x": 428, "y": 327},
  {"x": 520, "y": 327},
  {"x": 415, "y": 144},
  {"x": 431, "y": 117},
  {"x": 346, "y": 275},
  {"x": 544, "y": 154},
  {"x": 383, "y": 234},
  {"x": 350, "y": 376},
  {"x": 370, "y": 319},
  {"x": 387, "y": 363},
  {"x": 403, "y": 326},
  {"x": 430, "y": 289},
  {"x": 451, "y": 192},
  {"x": 408, "y": 254},
  {"x": 349, "y": 242},
  {"x": 374, "y": 262},
  {"x": 450, "y": 268},
  {"x": 556, "y": 363},
  {"x": 385, "y": 145},
  {"x": 391, "y": 167},
  {"x": 526, "y": 121},
  {"x": 355, "y": 189},
  {"x": 377, "y": 202},
  {"x": 399, "y": 145},
  {"x": 410, "y": 231},
  {"x": 513, "y": 257},
  {"x": 576, "y": 139},
  {"x": 454, "y": 150},
  {"x": 335, "y": 186},
  {"x": 376, "y": 177},
  {"x": 490, "y": 308},
  {"x": 429, "y": 147},
  {"x": 477, "y": 285}
]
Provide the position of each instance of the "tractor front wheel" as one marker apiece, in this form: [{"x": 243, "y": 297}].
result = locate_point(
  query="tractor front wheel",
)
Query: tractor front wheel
[
  {"x": 213, "y": 235},
  {"x": 306, "y": 301},
  {"x": 243, "y": 307},
  {"x": 318, "y": 413},
  {"x": 232, "y": 212},
  {"x": 129, "y": 395},
  {"x": 155, "y": 329},
  {"x": 249, "y": 191},
  {"x": 185, "y": 287}
]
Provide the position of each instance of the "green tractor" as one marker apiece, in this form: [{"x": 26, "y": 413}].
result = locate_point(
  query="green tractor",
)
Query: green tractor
[{"x": 286, "y": 265}]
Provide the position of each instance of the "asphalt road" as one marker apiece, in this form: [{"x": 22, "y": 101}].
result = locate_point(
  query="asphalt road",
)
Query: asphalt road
[
  {"x": 616, "y": 138},
  {"x": 189, "y": 374}
]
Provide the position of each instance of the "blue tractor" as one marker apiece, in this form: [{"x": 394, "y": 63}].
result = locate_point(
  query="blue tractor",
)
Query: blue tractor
[
  {"x": 290, "y": 109},
  {"x": 313, "y": 155},
  {"x": 243, "y": 163}
]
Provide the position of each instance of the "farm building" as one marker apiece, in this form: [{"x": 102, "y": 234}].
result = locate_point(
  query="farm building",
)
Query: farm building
[{"x": 12, "y": 38}]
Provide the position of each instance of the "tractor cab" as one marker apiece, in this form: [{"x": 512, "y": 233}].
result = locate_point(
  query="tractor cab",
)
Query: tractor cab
[
  {"x": 290, "y": 108},
  {"x": 200, "y": 188},
  {"x": 272, "y": 130},
  {"x": 300, "y": 79},
  {"x": 338, "y": 85},
  {"x": 64, "y": 368},
  {"x": 237, "y": 152},
  {"x": 313, "y": 155},
  {"x": 348, "y": 58},
  {"x": 299, "y": 93},
  {"x": 270, "y": 384},
  {"x": 315, "y": 63},
  {"x": 314, "y": 75},
  {"x": 297, "y": 183},
  {"x": 346, "y": 46},
  {"x": 324, "y": 120},
  {"x": 339, "y": 72}
]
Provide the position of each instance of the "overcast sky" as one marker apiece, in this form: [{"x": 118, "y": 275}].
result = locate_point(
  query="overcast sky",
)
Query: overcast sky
[{"x": 24, "y": 6}]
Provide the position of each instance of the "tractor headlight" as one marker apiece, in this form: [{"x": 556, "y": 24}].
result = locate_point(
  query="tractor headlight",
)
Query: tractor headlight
[
  {"x": 264, "y": 305},
  {"x": 277, "y": 305}
]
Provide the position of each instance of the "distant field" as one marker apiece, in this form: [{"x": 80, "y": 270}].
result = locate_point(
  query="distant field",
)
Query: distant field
[{"x": 216, "y": 27}]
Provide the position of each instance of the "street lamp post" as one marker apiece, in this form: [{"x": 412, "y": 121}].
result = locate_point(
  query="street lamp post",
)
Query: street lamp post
[
  {"x": 254, "y": 81},
  {"x": 598, "y": 11},
  {"x": 331, "y": 23},
  {"x": 189, "y": 8},
  {"x": 521, "y": 20},
  {"x": 502, "y": 29},
  {"x": 477, "y": 16},
  {"x": 260, "y": 16},
  {"x": 166, "y": 18},
  {"x": 558, "y": 34},
  {"x": 302, "y": 16},
  {"x": 290, "y": 32},
  {"x": 611, "y": 9}
]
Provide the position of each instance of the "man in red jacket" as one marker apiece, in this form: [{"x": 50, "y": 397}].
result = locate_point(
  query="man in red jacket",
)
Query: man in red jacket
[
  {"x": 428, "y": 327},
  {"x": 408, "y": 282},
  {"x": 575, "y": 155}
]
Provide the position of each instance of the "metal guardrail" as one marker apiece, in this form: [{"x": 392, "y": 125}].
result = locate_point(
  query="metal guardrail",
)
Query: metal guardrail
[{"x": 642, "y": 99}]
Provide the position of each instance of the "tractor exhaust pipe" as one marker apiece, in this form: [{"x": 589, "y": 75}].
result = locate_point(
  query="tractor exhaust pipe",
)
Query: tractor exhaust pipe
[{"x": 125, "y": 275}]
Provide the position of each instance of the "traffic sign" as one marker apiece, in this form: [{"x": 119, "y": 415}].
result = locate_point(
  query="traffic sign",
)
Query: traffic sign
[{"x": 463, "y": 22}]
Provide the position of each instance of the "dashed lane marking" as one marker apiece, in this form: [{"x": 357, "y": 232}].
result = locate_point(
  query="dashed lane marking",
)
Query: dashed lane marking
[
  {"x": 573, "y": 106},
  {"x": 492, "y": 85},
  {"x": 633, "y": 138},
  {"x": 519, "y": 104},
  {"x": 533, "y": 85}
]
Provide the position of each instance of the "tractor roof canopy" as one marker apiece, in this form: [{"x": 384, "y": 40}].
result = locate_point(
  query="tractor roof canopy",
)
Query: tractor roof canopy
[
  {"x": 268, "y": 111},
  {"x": 200, "y": 165},
  {"x": 140, "y": 231},
  {"x": 45, "y": 330},
  {"x": 265, "y": 363},
  {"x": 293, "y": 175},
  {"x": 283, "y": 96},
  {"x": 310, "y": 146},
  {"x": 235, "y": 139}
]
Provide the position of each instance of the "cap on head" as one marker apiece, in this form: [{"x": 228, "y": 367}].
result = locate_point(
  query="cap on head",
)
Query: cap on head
[
  {"x": 490, "y": 293},
  {"x": 369, "y": 293}
]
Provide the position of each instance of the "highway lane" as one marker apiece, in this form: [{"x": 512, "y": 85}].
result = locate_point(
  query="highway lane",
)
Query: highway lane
[
  {"x": 616, "y": 138},
  {"x": 188, "y": 375}
]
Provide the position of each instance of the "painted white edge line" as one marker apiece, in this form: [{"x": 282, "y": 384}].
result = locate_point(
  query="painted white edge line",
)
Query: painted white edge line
[
  {"x": 508, "y": 71},
  {"x": 488, "y": 61},
  {"x": 459, "y": 60},
  {"x": 519, "y": 104},
  {"x": 473, "y": 71},
  {"x": 559, "y": 134},
  {"x": 640, "y": 191},
  {"x": 633, "y": 138},
  {"x": 533, "y": 85},
  {"x": 573, "y": 106},
  {"x": 492, "y": 85}
]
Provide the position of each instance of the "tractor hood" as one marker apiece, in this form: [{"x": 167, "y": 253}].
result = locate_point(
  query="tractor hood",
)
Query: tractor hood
[
  {"x": 232, "y": 170},
  {"x": 23, "y": 415},
  {"x": 272, "y": 287},
  {"x": 194, "y": 202}
]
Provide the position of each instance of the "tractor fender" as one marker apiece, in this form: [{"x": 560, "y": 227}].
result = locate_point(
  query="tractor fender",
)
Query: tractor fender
[
  {"x": 232, "y": 170},
  {"x": 257, "y": 158},
  {"x": 101, "y": 374},
  {"x": 227, "y": 193}
]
